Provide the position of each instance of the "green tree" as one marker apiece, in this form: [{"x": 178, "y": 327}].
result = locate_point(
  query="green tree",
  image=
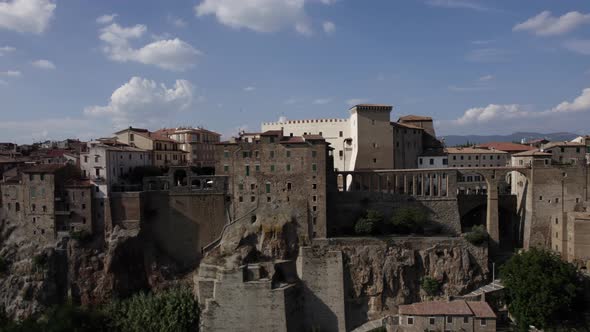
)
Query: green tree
[
  {"x": 542, "y": 290},
  {"x": 430, "y": 285},
  {"x": 477, "y": 236},
  {"x": 370, "y": 223},
  {"x": 408, "y": 220}
]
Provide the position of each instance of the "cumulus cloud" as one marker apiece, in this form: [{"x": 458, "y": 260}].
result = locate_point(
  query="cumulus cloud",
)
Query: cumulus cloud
[
  {"x": 106, "y": 19},
  {"x": 355, "y": 101},
  {"x": 329, "y": 27},
  {"x": 32, "y": 16},
  {"x": 43, "y": 64},
  {"x": 460, "y": 4},
  {"x": 511, "y": 117},
  {"x": 141, "y": 101},
  {"x": 486, "y": 78},
  {"x": 6, "y": 49},
  {"x": 172, "y": 54},
  {"x": 176, "y": 21},
  {"x": 260, "y": 15},
  {"x": 545, "y": 24},
  {"x": 11, "y": 73}
]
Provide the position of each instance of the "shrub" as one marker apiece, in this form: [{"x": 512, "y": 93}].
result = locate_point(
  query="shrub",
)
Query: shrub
[
  {"x": 82, "y": 236},
  {"x": 408, "y": 220},
  {"x": 430, "y": 285},
  {"x": 170, "y": 311},
  {"x": 371, "y": 222},
  {"x": 477, "y": 236}
]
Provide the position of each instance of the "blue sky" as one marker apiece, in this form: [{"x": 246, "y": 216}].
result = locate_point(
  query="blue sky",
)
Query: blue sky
[{"x": 82, "y": 68}]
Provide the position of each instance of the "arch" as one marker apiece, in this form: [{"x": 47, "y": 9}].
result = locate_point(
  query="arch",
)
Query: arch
[{"x": 180, "y": 177}]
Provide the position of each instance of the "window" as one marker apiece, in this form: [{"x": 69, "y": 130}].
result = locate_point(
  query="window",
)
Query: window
[
  {"x": 454, "y": 157},
  {"x": 340, "y": 153},
  {"x": 314, "y": 167},
  {"x": 289, "y": 186},
  {"x": 44, "y": 208},
  {"x": 313, "y": 154},
  {"x": 226, "y": 154},
  {"x": 256, "y": 153},
  {"x": 252, "y": 198},
  {"x": 420, "y": 161},
  {"x": 314, "y": 208},
  {"x": 241, "y": 186},
  {"x": 272, "y": 168},
  {"x": 247, "y": 170},
  {"x": 257, "y": 168},
  {"x": 33, "y": 207},
  {"x": 252, "y": 186},
  {"x": 410, "y": 320},
  {"x": 95, "y": 159},
  {"x": 268, "y": 188},
  {"x": 314, "y": 186},
  {"x": 431, "y": 161},
  {"x": 41, "y": 177},
  {"x": 97, "y": 172},
  {"x": 31, "y": 177},
  {"x": 556, "y": 221},
  {"x": 341, "y": 134},
  {"x": 85, "y": 159},
  {"x": 483, "y": 322},
  {"x": 245, "y": 154},
  {"x": 288, "y": 167},
  {"x": 465, "y": 320},
  {"x": 462, "y": 157},
  {"x": 225, "y": 168},
  {"x": 83, "y": 220},
  {"x": 315, "y": 198},
  {"x": 557, "y": 200},
  {"x": 562, "y": 149},
  {"x": 374, "y": 160},
  {"x": 288, "y": 154},
  {"x": 272, "y": 154},
  {"x": 578, "y": 150},
  {"x": 241, "y": 199},
  {"x": 431, "y": 320},
  {"x": 540, "y": 198},
  {"x": 445, "y": 161},
  {"x": 450, "y": 319},
  {"x": 16, "y": 207}
]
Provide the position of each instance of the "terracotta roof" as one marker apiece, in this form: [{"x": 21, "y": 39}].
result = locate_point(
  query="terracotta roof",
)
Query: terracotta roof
[
  {"x": 481, "y": 309},
  {"x": 44, "y": 168},
  {"x": 472, "y": 151},
  {"x": 313, "y": 137},
  {"x": 272, "y": 133},
  {"x": 55, "y": 153},
  {"x": 406, "y": 125},
  {"x": 506, "y": 146},
  {"x": 562, "y": 144},
  {"x": 532, "y": 153},
  {"x": 436, "y": 308},
  {"x": 414, "y": 118}
]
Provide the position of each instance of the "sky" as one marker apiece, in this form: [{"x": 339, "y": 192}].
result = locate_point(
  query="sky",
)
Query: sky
[{"x": 86, "y": 68}]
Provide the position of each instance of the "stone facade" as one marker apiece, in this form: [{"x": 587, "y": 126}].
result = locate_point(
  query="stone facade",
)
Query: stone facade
[
  {"x": 577, "y": 246},
  {"x": 566, "y": 152},
  {"x": 199, "y": 143},
  {"x": 457, "y": 315},
  {"x": 278, "y": 179},
  {"x": 165, "y": 152}
]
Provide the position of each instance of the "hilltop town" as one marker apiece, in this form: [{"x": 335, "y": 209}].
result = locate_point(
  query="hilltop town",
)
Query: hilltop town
[{"x": 353, "y": 224}]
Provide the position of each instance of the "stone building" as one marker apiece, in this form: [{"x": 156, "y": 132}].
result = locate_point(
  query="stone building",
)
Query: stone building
[
  {"x": 280, "y": 178},
  {"x": 107, "y": 162},
  {"x": 46, "y": 200},
  {"x": 586, "y": 141},
  {"x": 578, "y": 238},
  {"x": 368, "y": 139},
  {"x": 165, "y": 152},
  {"x": 457, "y": 315},
  {"x": 199, "y": 143},
  {"x": 566, "y": 152}
]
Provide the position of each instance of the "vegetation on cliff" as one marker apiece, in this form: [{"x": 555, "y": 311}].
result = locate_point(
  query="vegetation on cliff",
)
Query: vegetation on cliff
[
  {"x": 542, "y": 289},
  {"x": 172, "y": 310},
  {"x": 430, "y": 285},
  {"x": 477, "y": 236},
  {"x": 404, "y": 221}
]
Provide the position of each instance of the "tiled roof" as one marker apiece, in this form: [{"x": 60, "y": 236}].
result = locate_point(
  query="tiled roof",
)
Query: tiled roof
[
  {"x": 294, "y": 139},
  {"x": 532, "y": 153},
  {"x": 415, "y": 118},
  {"x": 562, "y": 144},
  {"x": 272, "y": 133},
  {"x": 44, "y": 168},
  {"x": 481, "y": 309},
  {"x": 472, "y": 151},
  {"x": 79, "y": 183},
  {"x": 406, "y": 125},
  {"x": 313, "y": 137},
  {"x": 436, "y": 308},
  {"x": 506, "y": 146}
]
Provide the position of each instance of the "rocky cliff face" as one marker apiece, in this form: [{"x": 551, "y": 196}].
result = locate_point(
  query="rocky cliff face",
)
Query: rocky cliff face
[
  {"x": 90, "y": 273},
  {"x": 381, "y": 274}
]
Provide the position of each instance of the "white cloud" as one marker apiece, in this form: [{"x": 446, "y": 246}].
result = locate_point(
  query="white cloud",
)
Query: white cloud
[
  {"x": 176, "y": 21},
  {"x": 355, "y": 101},
  {"x": 260, "y": 15},
  {"x": 6, "y": 49},
  {"x": 43, "y": 64},
  {"x": 106, "y": 19},
  {"x": 249, "y": 88},
  {"x": 141, "y": 101},
  {"x": 511, "y": 117},
  {"x": 487, "y": 55},
  {"x": 11, "y": 73},
  {"x": 322, "y": 101},
  {"x": 171, "y": 54},
  {"x": 26, "y": 15},
  {"x": 581, "y": 46},
  {"x": 461, "y": 4},
  {"x": 545, "y": 24},
  {"x": 329, "y": 27},
  {"x": 486, "y": 78}
]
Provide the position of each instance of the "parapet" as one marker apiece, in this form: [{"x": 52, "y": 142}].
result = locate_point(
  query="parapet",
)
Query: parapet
[{"x": 292, "y": 122}]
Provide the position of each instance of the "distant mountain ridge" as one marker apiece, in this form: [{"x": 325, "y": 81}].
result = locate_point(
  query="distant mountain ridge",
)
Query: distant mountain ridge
[{"x": 452, "y": 140}]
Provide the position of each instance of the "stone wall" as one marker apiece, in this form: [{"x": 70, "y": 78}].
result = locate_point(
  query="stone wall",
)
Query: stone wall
[{"x": 347, "y": 207}]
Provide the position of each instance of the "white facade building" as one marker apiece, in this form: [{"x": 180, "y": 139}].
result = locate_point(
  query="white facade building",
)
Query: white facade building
[
  {"x": 106, "y": 162},
  {"x": 433, "y": 161}
]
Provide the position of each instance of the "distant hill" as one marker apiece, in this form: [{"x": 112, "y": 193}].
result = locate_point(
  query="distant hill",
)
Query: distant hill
[{"x": 452, "y": 140}]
